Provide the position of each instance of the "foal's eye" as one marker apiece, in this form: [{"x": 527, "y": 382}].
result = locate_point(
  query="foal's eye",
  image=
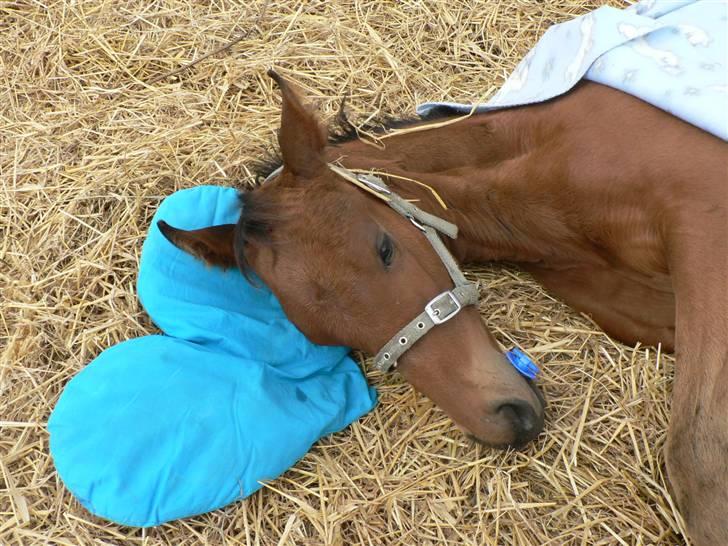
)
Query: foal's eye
[{"x": 386, "y": 249}]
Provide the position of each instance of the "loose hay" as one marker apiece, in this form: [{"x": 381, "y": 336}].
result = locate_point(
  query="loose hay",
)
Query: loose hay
[{"x": 89, "y": 147}]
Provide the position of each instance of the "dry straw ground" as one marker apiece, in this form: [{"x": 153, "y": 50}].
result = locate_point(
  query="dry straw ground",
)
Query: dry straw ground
[{"x": 93, "y": 136}]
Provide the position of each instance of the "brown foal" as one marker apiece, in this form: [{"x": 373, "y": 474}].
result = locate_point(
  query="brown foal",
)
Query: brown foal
[{"x": 615, "y": 206}]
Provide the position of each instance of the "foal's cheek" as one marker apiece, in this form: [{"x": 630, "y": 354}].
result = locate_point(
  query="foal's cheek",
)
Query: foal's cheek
[
  {"x": 305, "y": 313},
  {"x": 315, "y": 329}
]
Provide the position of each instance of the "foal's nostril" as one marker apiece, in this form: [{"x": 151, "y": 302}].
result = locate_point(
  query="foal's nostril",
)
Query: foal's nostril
[{"x": 524, "y": 419}]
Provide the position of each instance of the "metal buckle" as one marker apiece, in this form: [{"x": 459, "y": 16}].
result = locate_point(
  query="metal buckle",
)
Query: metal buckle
[
  {"x": 372, "y": 182},
  {"x": 435, "y": 313},
  {"x": 418, "y": 226}
]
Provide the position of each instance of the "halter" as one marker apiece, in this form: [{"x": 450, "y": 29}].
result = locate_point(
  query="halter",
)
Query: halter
[{"x": 442, "y": 307}]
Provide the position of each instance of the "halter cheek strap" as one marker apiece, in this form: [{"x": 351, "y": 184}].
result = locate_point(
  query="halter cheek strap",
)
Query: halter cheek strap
[{"x": 442, "y": 307}]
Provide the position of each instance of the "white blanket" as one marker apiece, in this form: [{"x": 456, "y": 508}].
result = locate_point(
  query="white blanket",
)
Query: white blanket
[{"x": 670, "y": 53}]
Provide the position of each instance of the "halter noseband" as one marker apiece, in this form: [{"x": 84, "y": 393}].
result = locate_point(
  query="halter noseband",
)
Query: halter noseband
[{"x": 442, "y": 307}]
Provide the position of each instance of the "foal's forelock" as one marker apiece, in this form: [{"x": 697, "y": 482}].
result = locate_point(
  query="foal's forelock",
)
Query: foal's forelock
[{"x": 259, "y": 213}]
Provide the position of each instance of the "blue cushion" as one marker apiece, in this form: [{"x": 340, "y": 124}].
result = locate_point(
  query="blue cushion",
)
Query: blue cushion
[{"x": 169, "y": 426}]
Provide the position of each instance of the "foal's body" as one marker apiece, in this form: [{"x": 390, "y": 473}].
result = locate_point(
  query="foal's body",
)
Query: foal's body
[{"x": 617, "y": 208}]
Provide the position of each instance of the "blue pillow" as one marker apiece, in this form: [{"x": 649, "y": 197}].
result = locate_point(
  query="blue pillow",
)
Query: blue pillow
[{"x": 169, "y": 426}]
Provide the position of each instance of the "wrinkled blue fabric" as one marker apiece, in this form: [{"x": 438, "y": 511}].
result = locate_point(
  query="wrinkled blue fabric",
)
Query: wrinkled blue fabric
[
  {"x": 670, "y": 53},
  {"x": 169, "y": 426}
]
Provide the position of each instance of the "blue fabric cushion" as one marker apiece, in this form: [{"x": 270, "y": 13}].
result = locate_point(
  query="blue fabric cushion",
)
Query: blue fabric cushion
[{"x": 169, "y": 426}]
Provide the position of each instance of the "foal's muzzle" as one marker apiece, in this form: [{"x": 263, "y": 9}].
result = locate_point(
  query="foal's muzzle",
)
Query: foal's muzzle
[{"x": 526, "y": 422}]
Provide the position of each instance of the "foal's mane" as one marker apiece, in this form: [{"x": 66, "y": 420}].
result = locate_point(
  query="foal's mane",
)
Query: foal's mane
[{"x": 342, "y": 131}]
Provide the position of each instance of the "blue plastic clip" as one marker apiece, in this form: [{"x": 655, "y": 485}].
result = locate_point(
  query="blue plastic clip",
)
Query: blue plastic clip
[{"x": 522, "y": 363}]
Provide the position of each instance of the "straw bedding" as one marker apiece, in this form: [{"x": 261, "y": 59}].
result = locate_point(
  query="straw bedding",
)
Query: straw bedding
[{"x": 94, "y": 133}]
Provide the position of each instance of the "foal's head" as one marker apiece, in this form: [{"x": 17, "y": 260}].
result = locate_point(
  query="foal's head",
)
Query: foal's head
[{"x": 348, "y": 270}]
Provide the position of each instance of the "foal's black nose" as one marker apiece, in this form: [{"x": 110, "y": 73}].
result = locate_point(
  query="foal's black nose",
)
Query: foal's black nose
[{"x": 526, "y": 422}]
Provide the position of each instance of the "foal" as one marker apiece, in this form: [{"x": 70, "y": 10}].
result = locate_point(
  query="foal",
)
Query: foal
[{"x": 615, "y": 206}]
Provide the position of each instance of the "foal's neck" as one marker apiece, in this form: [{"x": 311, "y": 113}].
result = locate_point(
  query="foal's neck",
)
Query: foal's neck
[{"x": 483, "y": 167}]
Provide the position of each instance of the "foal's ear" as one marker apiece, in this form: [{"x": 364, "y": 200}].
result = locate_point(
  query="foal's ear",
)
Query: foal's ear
[
  {"x": 213, "y": 245},
  {"x": 301, "y": 138}
]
